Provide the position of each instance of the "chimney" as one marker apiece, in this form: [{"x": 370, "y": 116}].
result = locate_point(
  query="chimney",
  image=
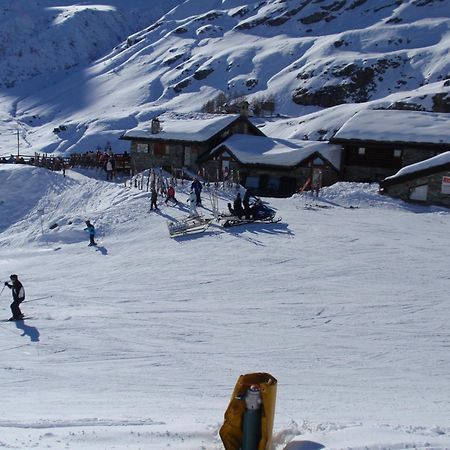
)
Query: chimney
[
  {"x": 244, "y": 108},
  {"x": 156, "y": 125}
]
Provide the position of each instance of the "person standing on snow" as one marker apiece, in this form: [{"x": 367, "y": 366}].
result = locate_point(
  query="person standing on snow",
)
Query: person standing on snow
[
  {"x": 192, "y": 200},
  {"x": 153, "y": 199},
  {"x": 91, "y": 230},
  {"x": 109, "y": 167},
  {"x": 171, "y": 195},
  {"x": 18, "y": 294},
  {"x": 197, "y": 187}
]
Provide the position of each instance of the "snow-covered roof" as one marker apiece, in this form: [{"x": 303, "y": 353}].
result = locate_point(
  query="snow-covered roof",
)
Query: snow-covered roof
[
  {"x": 249, "y": 149},
  {"x": 195, "y": 127},
  {"x": 436, "y": 161},
  {"x": 397, "y": 126}
]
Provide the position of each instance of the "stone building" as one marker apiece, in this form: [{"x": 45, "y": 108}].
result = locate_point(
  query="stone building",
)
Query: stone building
[
  {"x": 176, "y": 141},
  {"x": 426, "y": 182},
  {"x": 378, "y": 143},
  {"x": 273, "y": 167}
]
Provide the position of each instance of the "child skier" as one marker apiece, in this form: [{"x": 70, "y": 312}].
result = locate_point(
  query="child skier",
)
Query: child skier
[
  {"x": 91, "y": 230},
  {"x": 171, "y": 195},
  {"x": 192, "y": 200}
]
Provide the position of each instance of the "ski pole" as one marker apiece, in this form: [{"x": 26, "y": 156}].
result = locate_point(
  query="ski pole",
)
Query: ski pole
[
  {"x": 1, "y": 292},
  {"x": 37, "y": 299}
]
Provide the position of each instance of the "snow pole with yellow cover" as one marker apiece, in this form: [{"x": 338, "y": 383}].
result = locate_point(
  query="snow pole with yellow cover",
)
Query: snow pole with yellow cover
[{"x": 250, "y": 414}]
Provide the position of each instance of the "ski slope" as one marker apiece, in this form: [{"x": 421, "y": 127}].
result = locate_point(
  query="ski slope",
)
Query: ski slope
[{"x": 138, "y": 343}]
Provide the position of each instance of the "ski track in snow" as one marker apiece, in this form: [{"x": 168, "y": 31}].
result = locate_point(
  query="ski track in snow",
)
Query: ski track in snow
[{"x": 139, "y": 345}]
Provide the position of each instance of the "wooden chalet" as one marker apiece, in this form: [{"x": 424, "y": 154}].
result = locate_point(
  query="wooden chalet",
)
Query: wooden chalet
[
  {"x": 177, "y": 141},
  {"x": 273, "y": 167},
  {"x": 426, "y": 182},
  {"x": 378, "y": 143}
]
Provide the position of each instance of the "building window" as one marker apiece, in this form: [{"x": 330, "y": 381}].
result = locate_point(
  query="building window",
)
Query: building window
[
  {"x": 274, "y": 184},
  {"x": 252, "y": 182},
  {"x": 361, "y": 151},
  {"x": 419, "y": 193},
  {"x": 318, "y": 162},
  {"x": 397, "y": 153},
  {"x": 142, "y": 148},
  {"x": 159, "y": 148}
]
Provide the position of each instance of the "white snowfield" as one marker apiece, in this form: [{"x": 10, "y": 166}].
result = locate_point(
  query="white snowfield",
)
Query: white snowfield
[{"x": 137, "y": 343}]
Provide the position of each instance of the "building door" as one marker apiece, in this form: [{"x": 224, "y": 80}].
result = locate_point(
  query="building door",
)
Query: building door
[
  {"x": 419, "y": 193},
  {"x": 288, "y": 185},
  {"x": 225, "y": 168},
  {"x": 187, "y": 156}
]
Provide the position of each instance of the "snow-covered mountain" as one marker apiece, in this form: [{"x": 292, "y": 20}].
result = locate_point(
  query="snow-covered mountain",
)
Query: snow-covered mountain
[{"x": 319, "y": 61}]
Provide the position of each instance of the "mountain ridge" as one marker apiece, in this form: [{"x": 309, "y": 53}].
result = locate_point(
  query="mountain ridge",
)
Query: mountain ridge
[{"x": 310, "y": 57}]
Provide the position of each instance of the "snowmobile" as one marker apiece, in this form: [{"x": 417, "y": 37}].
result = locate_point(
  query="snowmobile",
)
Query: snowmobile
[{"x": 258, "y": 212}]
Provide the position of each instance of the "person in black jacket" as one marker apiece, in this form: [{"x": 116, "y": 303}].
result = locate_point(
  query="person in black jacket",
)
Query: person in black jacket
[
  {"x": 18, "y": 294},
  {"x": 153, "y": 199},
  {"x": 246, "y": 203},
  {"x": 237, "y": 206}
]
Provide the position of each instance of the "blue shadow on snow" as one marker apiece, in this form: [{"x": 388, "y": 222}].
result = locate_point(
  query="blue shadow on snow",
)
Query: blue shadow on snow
[{"x": 32, "y": 332}]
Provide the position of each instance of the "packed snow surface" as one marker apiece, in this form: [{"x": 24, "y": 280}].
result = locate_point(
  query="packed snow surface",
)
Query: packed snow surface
[{"x": 137, "y": 343}]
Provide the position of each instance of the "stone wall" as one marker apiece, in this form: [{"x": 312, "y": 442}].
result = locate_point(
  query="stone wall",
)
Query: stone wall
[
  {"x": 366, "y": 174},
  {"x": 413, "y": 155},
  {"x": 434, "y": 182},
  {"x": 174, "y": 157}
]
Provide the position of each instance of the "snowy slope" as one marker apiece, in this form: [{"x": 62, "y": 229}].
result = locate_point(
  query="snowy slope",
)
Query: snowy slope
[
  {"x": 138, "y": 343},
  {"x": 325, "y": 60}
]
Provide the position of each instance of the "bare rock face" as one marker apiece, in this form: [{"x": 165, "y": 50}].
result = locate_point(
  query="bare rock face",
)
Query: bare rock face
[
  {"x": 441, "y": 102},
  {"x": 351, "y": 83}
]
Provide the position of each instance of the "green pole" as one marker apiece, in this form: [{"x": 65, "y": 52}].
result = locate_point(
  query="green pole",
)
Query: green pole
[{"x": 251, "y": 424}]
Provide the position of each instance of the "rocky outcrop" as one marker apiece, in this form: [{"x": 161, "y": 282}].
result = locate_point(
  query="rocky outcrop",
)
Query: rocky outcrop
[{"x": 353, "y": 83}]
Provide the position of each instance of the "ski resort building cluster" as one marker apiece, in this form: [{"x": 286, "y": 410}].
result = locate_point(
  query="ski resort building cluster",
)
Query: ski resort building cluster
[{"x": 371, "y": 146}]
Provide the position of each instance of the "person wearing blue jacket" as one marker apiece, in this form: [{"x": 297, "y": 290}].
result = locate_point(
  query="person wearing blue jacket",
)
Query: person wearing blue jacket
[
  {"x": 197, "y": 187},
  {"x": 91, "y": 230}
]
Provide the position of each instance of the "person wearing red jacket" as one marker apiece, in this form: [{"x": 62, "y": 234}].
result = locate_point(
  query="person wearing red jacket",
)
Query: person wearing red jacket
[{"x": 171, "y": 195}]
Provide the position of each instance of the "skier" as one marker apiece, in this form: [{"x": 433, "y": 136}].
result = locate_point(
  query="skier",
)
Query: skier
[
  {"x": 18, "y": 294},
  {"x": 197, "y": 187},
  {"x": 153, "y": 199},
  {"x": 171, "y": 195},
  {"x": 192, "y": 204},
  {"x": 91, "y": 230}
]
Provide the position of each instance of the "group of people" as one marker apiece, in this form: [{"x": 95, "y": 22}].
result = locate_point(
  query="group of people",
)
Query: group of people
[
  {"x": 194, "y": 198},
  {"x": 244, "y": 207},
  {"x": 154, "y": 197}
]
